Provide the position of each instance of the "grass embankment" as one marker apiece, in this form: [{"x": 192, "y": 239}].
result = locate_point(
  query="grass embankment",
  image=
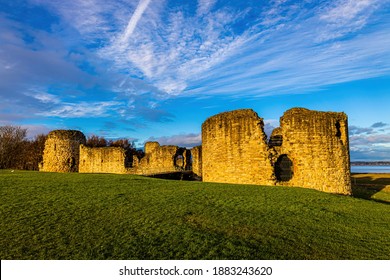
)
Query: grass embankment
[
  {"x": 372, "y": 186},
  {"x": 102, "y": 216}
]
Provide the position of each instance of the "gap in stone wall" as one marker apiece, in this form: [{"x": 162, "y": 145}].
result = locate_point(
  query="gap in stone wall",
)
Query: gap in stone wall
[{"x": 284, "y": 169}]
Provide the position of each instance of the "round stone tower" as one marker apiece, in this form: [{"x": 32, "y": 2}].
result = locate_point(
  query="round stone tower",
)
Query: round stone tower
[{"x": 62, "y": 151}]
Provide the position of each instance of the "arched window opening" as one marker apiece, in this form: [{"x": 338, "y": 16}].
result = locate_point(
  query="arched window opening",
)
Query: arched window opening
[
  {"x": 179, "y": 161},
  {"x": 180, "y": 158},
  {"x": 284, "y": 169}
]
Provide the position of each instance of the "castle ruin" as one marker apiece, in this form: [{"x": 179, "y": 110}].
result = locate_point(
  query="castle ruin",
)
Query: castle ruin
[
  {"x": 62, "y": 151},
  {"x": 310, "y": 149},
  {"x": 65, "y": 151},
  {"x": 102, "y": 160}
]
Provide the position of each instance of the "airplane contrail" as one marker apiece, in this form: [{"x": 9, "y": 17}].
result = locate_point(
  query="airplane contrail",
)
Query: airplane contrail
[{"x": 142, "y": 5}]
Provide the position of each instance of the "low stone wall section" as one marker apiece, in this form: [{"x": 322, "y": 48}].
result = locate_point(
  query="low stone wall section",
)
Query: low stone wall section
[
  {"x": 102, "y": 160},
  {"x": 161, "y": 159}
]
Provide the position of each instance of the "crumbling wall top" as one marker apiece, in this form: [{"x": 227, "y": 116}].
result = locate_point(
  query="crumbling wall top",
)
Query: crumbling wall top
[
  {"x": 277, "y": 131},
  {"x": 231, "y": 115},
  {"x": 301, "y": 112},
  {"x": 67, "y": 134},
  {"x": 151, "y": 146}
]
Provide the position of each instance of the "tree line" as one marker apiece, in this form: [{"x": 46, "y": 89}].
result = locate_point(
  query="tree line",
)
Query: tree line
[{"x": 18, "y": 152}]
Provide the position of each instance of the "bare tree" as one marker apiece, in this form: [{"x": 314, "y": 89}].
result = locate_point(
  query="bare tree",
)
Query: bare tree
[
  {"x": 129, "y": 148},
  {"x": 33, "y": 152},
  {"x": 12, "y": 142},
  {"x": 96, "y": 141}
]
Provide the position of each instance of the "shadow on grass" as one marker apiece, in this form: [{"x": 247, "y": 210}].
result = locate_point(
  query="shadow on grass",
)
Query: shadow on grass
[
  {"x": 365, "y": 186},
  {"x": 179, "y": 175}
]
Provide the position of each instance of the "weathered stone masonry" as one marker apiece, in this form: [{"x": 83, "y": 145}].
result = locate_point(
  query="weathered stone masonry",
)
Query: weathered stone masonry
[
  {"x": 310, "y": 149},
  {"x": 102, "y": 160},
  {"x": 318, "y": 145},
  {"x": 196, "y": 153},
  {"x": 62, "y": 151},
  {"x": 65, "y": 151},
  {"x": 163, "y": 159},
  {"x": 234, "y": 149}
]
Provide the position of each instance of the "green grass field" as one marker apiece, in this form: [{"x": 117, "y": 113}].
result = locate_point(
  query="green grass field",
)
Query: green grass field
[
  {"x": 372, "y": 186},
  {"x": 104, "y": 216}
]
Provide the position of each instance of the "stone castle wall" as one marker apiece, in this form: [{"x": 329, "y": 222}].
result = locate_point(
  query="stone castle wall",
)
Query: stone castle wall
[
  {"x": 310, "y": 149},
  {"x": 196, "y": 153},
  {"x": 162, "y": 159},
  {"x": 61, "y": 152},
  {"x": 102, "y": 160},
  {"x": 235, "y": 150},
  {"x": 65, "y": 151},
  {"x": 317, "y": 144}
]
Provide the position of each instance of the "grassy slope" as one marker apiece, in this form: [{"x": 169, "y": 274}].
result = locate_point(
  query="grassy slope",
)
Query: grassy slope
[
  {"x": 94, "y": 216},
  {"x": 372, "y": 186}
]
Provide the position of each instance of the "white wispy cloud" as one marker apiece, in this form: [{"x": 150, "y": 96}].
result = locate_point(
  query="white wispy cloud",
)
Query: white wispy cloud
[
  {"x": 92, "y": 18},
  {"x": 182, "y": 140},
  {"x": 44, "y": 97},
  {"x": 204, "y": 6},
  {"x": 346, "y": 16},
  {"x": 172, "y": 48},
  {"x": 82, "y": 109},
  {"x": 193, "y": 54},
  {"x": 147, "y": 51},
  {"x": 344, "y": 11},
  {"x": 282, "y": 47}
]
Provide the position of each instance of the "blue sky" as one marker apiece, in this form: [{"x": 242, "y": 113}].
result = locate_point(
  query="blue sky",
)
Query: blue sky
[{"x": 156, "y": 69}]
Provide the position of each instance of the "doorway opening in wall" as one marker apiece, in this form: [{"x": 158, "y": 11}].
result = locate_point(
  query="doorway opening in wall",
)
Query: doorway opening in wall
[{"x": 284, "y": 169}]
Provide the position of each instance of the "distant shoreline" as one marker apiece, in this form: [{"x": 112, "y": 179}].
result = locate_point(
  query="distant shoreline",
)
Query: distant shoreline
[{"x": 370, "y": 163}]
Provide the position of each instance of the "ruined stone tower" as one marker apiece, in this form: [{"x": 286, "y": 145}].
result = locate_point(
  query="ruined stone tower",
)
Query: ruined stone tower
[
  {"x": 310, "y": 149},
  {"x": 317, "y": 145},
  {"x": 62, "y": 150},
  {"x": 235, "y": 150}
]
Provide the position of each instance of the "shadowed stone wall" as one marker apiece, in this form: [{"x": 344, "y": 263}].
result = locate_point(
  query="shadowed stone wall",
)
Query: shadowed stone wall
[
  {"x": 235, "y": 150},
  {"x": 196, "y": 153},
  {"x": 61, "y": 152},
  {"x": 310, "y": 149},
  {"x": 102, "y": 160}
]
